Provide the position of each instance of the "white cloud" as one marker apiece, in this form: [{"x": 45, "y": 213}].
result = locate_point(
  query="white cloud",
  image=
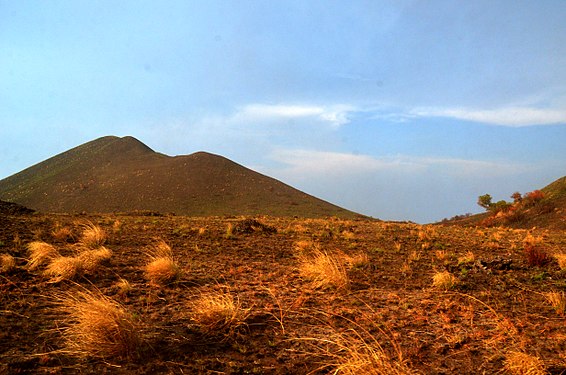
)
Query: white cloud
[
  {"x": 508, "y": 116},
  {"x": 336, "y": 115},
  {"x": 308, "y": 163}
]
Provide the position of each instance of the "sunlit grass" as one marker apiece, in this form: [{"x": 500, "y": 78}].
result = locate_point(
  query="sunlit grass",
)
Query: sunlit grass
[
  {"x": 323, "y": 270},
  {"x": 557, "y": 300},
  {"x": 7, "y": 263},
  {"x": 162, "y": 268},
  {"x": 40, "y": 253},
  {"x": 96, "y": 326},
  {"x": 218, "y": 312},
  {"x": 63, "y": 268},
  {"x": 444, "y": 280},
  {"x": 519, "y": 363},
  {"x": 92, "y": 236}
]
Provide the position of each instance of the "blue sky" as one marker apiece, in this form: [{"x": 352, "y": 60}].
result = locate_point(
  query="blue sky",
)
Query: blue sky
[{"x": 402, "y": 110}]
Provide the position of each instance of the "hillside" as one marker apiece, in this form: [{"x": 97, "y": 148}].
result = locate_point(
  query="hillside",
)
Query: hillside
[
  {"x": 113, "y": 174},
  {"x": 549, "y": 212}
]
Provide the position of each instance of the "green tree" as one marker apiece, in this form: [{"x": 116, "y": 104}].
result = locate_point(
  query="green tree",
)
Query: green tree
[{"x": 485, "y": 201}]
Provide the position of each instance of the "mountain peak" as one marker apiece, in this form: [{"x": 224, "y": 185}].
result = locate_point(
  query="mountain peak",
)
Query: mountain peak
[{"x": 121, "y": 174}]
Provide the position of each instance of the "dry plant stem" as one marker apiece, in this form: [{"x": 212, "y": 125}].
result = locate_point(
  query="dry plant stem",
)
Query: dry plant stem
[{"x": 97, "y": 326}]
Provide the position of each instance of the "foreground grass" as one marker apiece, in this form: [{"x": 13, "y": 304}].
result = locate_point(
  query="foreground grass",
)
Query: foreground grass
[
  {"x": 315, "y": 296},
  {"x": 96, "y": 326}
]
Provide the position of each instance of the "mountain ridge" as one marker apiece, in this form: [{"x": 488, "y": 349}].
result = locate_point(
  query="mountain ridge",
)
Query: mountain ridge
[{"x": 121, "y": 174}]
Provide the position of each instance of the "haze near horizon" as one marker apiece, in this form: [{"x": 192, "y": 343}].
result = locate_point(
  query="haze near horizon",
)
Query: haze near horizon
[{"x": 401, "y": 110}]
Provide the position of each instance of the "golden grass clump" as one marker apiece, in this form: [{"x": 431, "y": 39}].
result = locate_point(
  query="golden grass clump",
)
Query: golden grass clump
[
  {"x": 123, "y": 287},
  {"x": 468, "y": 258},
  {"x": 444, "y": 280},
  {"x": 519, "y": 363},
  {"x": 304, "y": 246},
  {"x": 94, "y": 325},
  {"x": 63, "y": 268},
  {"x": 357, "y": 260},
  {"x": 561, "y": 260},
  {"x": 40, "y": 253},
  {"x": 92, "y": 236},
  {"x": 63, "y": 234},
  {"x": 350, "y": 354},
  {"x": 162, "y": 268},
  {"x": 557, "y": 300},
  {"x": 91, "y": 259},
  {"x": 324, "y": 270},
  {"x": 7, "y": 263},
  {"x": 218, "y": 312}
]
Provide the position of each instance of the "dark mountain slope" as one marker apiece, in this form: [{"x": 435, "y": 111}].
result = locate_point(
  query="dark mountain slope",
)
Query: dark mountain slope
[{"x": 112, "y": 174}]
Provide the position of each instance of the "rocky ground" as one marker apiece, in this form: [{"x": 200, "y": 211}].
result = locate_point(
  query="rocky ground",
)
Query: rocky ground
[{"x": 498, "y": 303}]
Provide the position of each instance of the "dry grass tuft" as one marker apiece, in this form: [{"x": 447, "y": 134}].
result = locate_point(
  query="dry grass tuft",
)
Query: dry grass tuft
[
  {"x": 63, "y": 268},
  {"x": 519, "y": 363},
  {"x": 444, "y": 280},
  {"x": 99, "y": 327},
  {"x": 304, "y": 246},
  {"x": 557, "y": 300},
  {"x": 350, "y": 354},
  {"x": 123, "y": 287},
  {"x": 92, "y": 236},
  {"x": 324, "y": 270},
  {"x": 63, "y": 234},
  {"x": 218, "y": 312},
  {"x": 358, "y": 260},
  {"x": 162, "y": 268},
  {"x": 467, "y": 259},
  {"x": 40, "y": 253},
  {"x": 91, "y": 259},
  {"x": 561, "y": 260},
  {"x": 7, "y": 263}
]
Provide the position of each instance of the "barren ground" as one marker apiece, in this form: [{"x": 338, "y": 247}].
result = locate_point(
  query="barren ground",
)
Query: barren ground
[{"x": 498, "y": 306}]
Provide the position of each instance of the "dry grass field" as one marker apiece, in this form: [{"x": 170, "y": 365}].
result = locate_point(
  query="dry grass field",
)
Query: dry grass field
[{"x": 170, "y": 294}]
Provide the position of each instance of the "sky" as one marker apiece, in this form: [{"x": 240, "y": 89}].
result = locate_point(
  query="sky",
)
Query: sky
[{"x": 396, "y": 109}]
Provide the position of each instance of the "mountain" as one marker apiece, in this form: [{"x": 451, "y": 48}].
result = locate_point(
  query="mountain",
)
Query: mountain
[
  {"x": 113, "y": 174},
  {"x": 547, "y": 212}
]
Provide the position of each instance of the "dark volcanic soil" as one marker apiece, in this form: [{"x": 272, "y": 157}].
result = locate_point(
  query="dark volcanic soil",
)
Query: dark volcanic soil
[{"x": 498, "y": 306}]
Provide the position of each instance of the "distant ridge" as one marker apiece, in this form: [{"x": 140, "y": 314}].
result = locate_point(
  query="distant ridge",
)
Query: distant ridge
[{"x": 113, "y": 174}]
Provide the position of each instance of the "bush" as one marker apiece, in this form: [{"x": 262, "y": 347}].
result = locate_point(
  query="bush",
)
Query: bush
[{"x": 534, "y": 251}]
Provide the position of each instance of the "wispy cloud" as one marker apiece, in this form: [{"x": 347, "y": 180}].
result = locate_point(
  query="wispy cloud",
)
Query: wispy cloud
[
  {"x": 312, "y": 162},
  {"x": 507, "y": 116},
  {"x": 335, "y": 115}
]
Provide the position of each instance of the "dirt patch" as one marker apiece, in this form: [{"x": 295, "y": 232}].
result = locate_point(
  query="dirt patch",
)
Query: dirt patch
[{"x": 8, "y": 208}]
